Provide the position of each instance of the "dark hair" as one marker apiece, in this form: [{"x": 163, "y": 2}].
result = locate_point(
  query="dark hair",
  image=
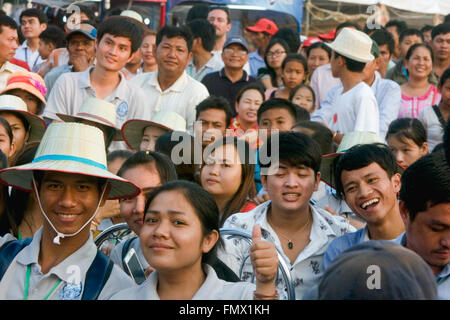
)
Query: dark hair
[
  {"x": 319, "y": 133},
  {"x": 198, "y": 11},
  {"x": 33, "y": 12},
  {"x": 204, "y": 30},
  {"x": 247, "y": 187},
  {"x": 273, "y": 41},
  {"x": 348, "y": 24},
  {"x": 294, "y": 148},
  {"x": 442, "y": 28},
  {"x": 425, "y": 183},
  {"x": 410, "y": 32},
  {"x": 290, "y": 36},
  {"x": 161, "y": 162},
  {"x": 223, "y": 8},
  {"x": 5, "y": 124},
  {"x": 317, "y": 45},
  {"x": 278, "y": 103},
  {"x": 251, "y": 86},
  {"x": 172, "y": 32},
  {"x": 417, "y": 45},
  {"x": 399, "y": 25},
  {"x": 352, "y": 65},
  {"x": 361, "y": 156},
  {"x": 89, "y": 13},
  {"x": 120, "y": 26},
  {"x": 447, "y": 18},
  {"x": 382, "y": 37},
  {"x": 295, "y": 57},
  {"x": 7, "y": 219},
  {"x": 408, "y": 128},
  {"x": 118, "y": 154},
  {"x": 54, "y": 35},
  {"x": 445, "y": 75},
  {"x": 214, "y": 102},
  {"x": 203, "y": 204},
  {"x": 302, "y": 114},
  {"x": 303, "y": 85},
  {"x": 426, "y": 28},
  {"x": 9, "y": 22}
]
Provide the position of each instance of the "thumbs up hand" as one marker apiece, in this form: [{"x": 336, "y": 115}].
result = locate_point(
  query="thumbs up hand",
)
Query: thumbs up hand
[{"x": 264, "y": 258}]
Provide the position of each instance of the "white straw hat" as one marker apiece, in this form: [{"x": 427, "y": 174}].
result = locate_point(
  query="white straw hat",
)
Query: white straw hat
[
  {"x": 15, "y": 104},
  {"x": 348, "y": 140},
  {"x": 73, "y": 148},
  {"x": 132, "y": 14},
  {"x": 353, "y": 44},
  {"x": 133, "y": 130},
  {"x": 95, "y": 110}
]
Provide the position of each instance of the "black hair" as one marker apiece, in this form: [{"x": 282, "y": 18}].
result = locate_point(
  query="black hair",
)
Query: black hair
[
  {"x": 5, "y": 124},
  {"x": 348, "y": 24},
  {"x": 352, "y": 65},
  {"x": 172, "y": 32},
  {"x": 203, "y": 204},
  {"x": 54, "y": 35},
  {"x": 425, "y": 183},
  {"x": 9, "y": 22},
  {"x": 442, "y": 28},
  {"x": 399, "y": 25},
  {"x": 251, "y": 86},
  {"x": 273, "y": 41},
  {"x": 198, "y": 11},
  {"x": 33, "y": 12},
  {"x": 295, "y": 57},
  {"x": 215, "y": 102},
  {"x": 294, "y": 148},
  {"x": 120, "y": 26},
  {"x": 118, "y": 154},
  {"x": 7, "y": 218},
  {"x": 408, "y": 128},
  {"x": 278, "y": 103},
  {"x": 417, "y": 45},
  {"x": 320, "y": 45},
  {"x": 302, "y": 114},
  {"x": 92, "y": 20},
  {"x": 426, "y": 28},
  {"x": 290, "y": 36},
  {"x": 319, "y": 133},
  {"x": 361, "y": 156},
  {"x": 204, "y": 30},
  {"x": 447, "y": 18},
  {"x": 382, "y": 37},
  {"x": 410, "y": 32},
  {"x": 445, "y": 75},
  {"x": 220, "y": 7}
]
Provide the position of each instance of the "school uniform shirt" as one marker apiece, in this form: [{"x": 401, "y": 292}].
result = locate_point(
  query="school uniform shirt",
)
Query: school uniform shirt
[
  {"x": 435, "y": 130},
  {"x": 215, "y": 63},
  {"x": 71, "y": 272},
  {"x": 116, "y": 253},
  {"x": 53, "y": 75},
  {"x": 182, "y": 97},
  {"x": 322, "y": 81},
  {"x": 32, "y": 58},
  {"x": 356, "y": 110},
  {"x": 5, "y": 71},
  {"x": 73, "y": 88},
  {"x": 308, "y": 266},
  {"x": 212, "y": 289}
]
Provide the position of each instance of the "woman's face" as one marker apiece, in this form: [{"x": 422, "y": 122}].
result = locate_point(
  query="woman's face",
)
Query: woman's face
[
  {"x": 276, "y": 55},
  {"x": 222, "y": 173},
  {"x": 317, "y": 57},
  {"x": 5, "y": 143},
  {"x": 171, "y": 237},
  {"x": 304, "y": 98},
  {"x": 420, "y": 63},
  {"x": 445, "y": 92},
  {"x": 31, "y": 101},
  {"x": 147, "y": 50},
  {"x": 20, "y": 134},
  {"x": 406, "y": 151},
  {"x": 147, "y": 178},
  {"x": 151, "y": 134},
  {"x": 247, "y": 108},
  {"x": 293, "y": 74}
]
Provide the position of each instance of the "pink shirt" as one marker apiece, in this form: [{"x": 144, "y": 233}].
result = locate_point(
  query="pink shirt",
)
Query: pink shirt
[{"x": 410, "y": 107}]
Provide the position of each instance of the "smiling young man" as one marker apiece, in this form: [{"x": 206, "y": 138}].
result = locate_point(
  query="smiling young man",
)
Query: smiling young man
[
  {"x": 69, "y": 181},
  {"x": 367, "y": 179},
  {"x": 300, "y": 232},
  {"x": 440, "y": 43}
]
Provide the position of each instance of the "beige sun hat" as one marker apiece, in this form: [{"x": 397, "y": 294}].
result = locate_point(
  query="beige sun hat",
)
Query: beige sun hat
[
  {"x": 14, "y": 104},
  {"x": 349, "y": 140},
  {"x": 132, "y": 14},
  {"x": 98, "y": 111},
  {"x": 353, "y": 44},
  {"x": 73, "y": 148},
  {"x": 133, "y": 130}
]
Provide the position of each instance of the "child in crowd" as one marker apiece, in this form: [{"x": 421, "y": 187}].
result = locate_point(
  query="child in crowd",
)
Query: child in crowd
[
  {"x": 293, "y": 72},
  {"x": 303, "y": 96},
  {"x": 50, "y": 39}
]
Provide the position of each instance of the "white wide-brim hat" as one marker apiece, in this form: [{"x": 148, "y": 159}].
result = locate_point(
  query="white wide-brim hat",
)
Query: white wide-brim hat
[
  {"x": 133, "y": 130},
  {"x": 353, "y": 44},
  {"x": 70, "y": 147},
  {"x": 349, "y": 140},
  {"x": 14, "y": 104},
  {"x": 95, "y": 110}
]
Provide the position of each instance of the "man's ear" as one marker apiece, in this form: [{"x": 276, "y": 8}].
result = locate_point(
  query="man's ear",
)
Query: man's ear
[
  {"x": 43, "y": 26},
  {"x": 396, "y": 182},
  {"x": 317, "y": 181},
  {"x": 131, "y": 56},
  {"x": 264, "y": 182}
]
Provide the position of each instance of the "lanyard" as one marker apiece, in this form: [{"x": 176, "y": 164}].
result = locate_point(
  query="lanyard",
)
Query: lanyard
[
  {"x": 26, "y": 58},
  {"x": 27, "y": 285}
]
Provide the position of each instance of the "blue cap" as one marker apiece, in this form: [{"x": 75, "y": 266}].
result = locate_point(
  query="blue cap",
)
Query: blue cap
[{"x": 236, "y": 39}]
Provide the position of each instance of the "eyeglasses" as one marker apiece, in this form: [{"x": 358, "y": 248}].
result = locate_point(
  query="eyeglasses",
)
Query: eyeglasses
[
  {"x": 237, "y": 52},
  {"x": 275, "y": 54}
]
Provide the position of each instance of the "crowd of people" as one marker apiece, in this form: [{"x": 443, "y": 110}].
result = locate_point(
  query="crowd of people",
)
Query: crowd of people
[{"x": 332, "y": 155}]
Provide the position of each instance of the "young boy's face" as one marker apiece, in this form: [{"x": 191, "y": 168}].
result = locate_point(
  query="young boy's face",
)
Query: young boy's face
[
  {"x": 45, "y": 48},
  {"x": 276, "y": 119},
  {"x": 113, "y": 53},
  {"x": 31, "y": 27},
  {"x": 407, "y": 42}
]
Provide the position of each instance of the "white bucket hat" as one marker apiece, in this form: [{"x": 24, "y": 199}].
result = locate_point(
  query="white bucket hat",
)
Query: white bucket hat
[
  {"x": 72, "y": 148},
  {"x": 132, "y": 14},
  {"x": 15, "y": 104},
  {"x": 133, "y": 130},
  {"x": 353, "y": 44},
  {"x": 98, "y": 111},
  {"x": 349, "y": 140}
]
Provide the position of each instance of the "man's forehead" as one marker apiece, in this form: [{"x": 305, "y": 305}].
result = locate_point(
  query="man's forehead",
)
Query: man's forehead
[
  {"x": 217, "y": 12},
  {"x": 177, "y": 40},
  {"x": 119, "y": 39},
  {"x": 212, "y": 114}
]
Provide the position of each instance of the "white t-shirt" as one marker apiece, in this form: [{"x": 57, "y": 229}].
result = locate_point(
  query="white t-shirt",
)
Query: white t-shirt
[
  {"x": 435, "y": 131},
  {"x": 356, "y": 110}
]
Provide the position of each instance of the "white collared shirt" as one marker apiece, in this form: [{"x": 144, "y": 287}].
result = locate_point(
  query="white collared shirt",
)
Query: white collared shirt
[
  {"x": 215, "y": 63},
  {"x": 182, "y": 97},
  {"x": 32, "y": 58},
  {"x": 308, "y": 266},
  {"x": 212, "y": 289},
  {"x": 5, "y": 71},
  {"x": 12, "y": 285}
]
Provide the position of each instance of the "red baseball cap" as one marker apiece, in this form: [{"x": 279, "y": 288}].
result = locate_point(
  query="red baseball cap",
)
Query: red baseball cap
[
  {"x": 308, "y": 42},
  {"x": 264, "y": 25},
  {"x": 328, "y": 36}
]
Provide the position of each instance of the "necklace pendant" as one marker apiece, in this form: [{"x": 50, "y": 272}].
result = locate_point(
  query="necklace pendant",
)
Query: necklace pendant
[{"x": 290, "y": 245}]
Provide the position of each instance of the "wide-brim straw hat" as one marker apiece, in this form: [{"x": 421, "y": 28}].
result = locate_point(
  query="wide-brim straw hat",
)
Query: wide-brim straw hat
[
  {"x": 14, "y": 104},
  {"x": 70, "y": 147},
  {"x": 28, "y": 81},
  {"x": 98, "y": 111},
  {"x": 349, "y": 140},
  {"x": 353, "y": 44},
  {"x": 133, "y": 130}
]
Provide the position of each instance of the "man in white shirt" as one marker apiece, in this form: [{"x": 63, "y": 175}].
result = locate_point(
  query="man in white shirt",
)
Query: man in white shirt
[
  {"x": 32, "y": 23},
  {"x": 170, "y": 88}
]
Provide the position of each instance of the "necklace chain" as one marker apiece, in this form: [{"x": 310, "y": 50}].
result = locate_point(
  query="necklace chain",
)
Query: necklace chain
[{"x": 290, "y": 243}]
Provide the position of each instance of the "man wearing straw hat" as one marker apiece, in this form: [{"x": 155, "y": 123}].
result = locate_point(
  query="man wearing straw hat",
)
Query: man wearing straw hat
[{"x": 70, "y": 181}]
